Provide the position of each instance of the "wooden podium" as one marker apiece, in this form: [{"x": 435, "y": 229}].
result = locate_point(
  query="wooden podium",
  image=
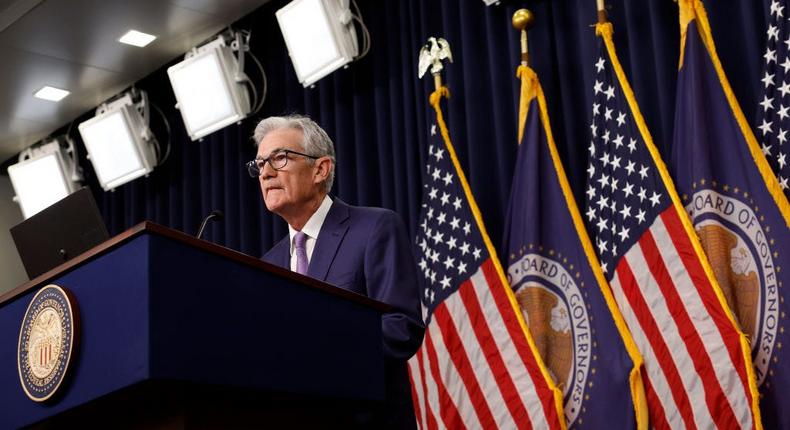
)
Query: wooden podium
[{"x": 181, "y": 333}]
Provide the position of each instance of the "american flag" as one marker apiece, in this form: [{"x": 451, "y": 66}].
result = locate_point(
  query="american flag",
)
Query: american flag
[
  {"x": 773, "y": 121},
  {"x": 476, "y": 367},
  {"x": 695, "y": 375}
]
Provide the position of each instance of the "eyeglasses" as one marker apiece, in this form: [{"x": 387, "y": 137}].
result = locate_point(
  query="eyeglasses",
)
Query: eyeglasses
[{"x": 277, "y": 160}]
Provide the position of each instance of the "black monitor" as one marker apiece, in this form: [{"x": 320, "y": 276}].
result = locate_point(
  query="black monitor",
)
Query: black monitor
[{"x": 60, "y": 232}]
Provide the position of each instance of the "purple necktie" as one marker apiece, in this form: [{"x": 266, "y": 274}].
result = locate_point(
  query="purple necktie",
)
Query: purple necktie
[{"x": 300, "y": 240}]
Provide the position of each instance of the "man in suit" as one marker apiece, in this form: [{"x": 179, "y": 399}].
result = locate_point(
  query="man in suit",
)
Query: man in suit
[{"x": 362, "y": 249}]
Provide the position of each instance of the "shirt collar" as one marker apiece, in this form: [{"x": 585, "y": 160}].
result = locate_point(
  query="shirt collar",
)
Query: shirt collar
[{"x": 313, "y": 225}]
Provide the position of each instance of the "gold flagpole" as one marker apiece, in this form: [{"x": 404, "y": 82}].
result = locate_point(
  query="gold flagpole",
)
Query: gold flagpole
[
  {"x": 437, "y": 80},
  {"x": 602, "y": 18},
  {"x": 523, "y": 20}
]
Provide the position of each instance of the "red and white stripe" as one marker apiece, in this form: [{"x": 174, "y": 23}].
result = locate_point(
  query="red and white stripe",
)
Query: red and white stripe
[
  {"x": 695, "y": 371},
  {"x": 475, "y": 368}
]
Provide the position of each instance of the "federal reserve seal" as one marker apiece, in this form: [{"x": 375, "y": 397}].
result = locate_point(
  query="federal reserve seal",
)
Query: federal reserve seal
[
  {"x": 46, "y": 341},
  {"x": 740, "y": 252},
  {"x": 555, "y": 311}
]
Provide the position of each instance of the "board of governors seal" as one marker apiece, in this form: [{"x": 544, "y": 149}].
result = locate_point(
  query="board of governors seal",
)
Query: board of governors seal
[{"x": 46, "y": 341}]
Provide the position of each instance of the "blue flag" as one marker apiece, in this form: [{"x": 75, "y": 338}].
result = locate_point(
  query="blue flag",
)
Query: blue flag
[
  {"x": 561, "y": 290},
  {"x": 737, "y": 208}
]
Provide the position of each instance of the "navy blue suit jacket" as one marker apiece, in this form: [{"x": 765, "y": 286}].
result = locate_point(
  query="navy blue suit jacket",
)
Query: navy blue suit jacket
[{"x": 368, "y": 251}]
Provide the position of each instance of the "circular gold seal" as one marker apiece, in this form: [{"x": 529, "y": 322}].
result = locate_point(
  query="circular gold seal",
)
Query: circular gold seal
[
  {"x": 46, "y": 341},
  {"x": 555, "y": 310},
  {"x": 743, "y": 258}
]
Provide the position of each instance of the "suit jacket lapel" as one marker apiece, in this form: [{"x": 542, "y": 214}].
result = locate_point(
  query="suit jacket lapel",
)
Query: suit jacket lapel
[
  {"x": 280, "y": 254},
  {"x": 329, "y": 238},
  {"x": 285, "y": 252}
]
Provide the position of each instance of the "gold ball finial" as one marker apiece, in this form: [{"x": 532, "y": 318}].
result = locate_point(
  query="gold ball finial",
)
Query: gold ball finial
[{"x": 523, "y": 19}]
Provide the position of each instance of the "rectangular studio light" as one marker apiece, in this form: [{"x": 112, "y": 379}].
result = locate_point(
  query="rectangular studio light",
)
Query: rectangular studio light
[
  {"x": 208, "y": 94},
  {"x": 115, "y": 146},
  {"x": 137, "y": 38},
  {"x": 319, "y": 37},
  {"x": 51, "y": 93},
  {"x": 41, "y": 180}
]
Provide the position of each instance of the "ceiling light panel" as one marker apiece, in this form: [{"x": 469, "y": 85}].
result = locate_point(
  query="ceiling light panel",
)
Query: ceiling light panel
[
  {"x": 137, "y": 38},
  {"x": 51, "y": 93}
]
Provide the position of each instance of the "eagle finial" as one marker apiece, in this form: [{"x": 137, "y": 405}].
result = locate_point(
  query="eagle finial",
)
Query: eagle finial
[{"x": 432, "y": 54}]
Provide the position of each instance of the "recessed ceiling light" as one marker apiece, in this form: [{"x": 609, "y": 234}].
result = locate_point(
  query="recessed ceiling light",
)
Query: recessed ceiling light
[
  {"x": 137, "y": 38},
  {"x": 51, "y": 93}
]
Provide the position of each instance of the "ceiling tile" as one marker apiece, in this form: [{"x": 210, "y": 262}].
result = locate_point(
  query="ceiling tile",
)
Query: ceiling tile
[{"x": 72, "y": 44}]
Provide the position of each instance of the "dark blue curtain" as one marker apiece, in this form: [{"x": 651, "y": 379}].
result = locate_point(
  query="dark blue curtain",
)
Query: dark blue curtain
[{"x": 378, "y": 114}]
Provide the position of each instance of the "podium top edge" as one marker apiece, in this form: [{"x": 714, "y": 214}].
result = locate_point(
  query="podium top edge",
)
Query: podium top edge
[{"x": 149, "y": 227}]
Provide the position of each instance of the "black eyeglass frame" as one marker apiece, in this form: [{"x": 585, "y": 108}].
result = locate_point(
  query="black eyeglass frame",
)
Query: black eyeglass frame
[{"x": 255, "y": 171}]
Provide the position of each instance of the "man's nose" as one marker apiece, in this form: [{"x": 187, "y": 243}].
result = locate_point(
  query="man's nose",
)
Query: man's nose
[{"x": 267, "y": 171}]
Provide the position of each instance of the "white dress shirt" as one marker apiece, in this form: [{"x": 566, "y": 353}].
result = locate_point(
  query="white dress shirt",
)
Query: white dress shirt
[{"x": 311, "y": 229}]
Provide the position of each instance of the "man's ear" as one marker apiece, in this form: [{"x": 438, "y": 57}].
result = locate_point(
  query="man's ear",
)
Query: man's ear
[{"x": 323, "y": 167}]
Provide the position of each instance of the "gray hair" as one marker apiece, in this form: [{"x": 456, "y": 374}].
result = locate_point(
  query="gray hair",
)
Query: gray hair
[{"x": 315, "y": 141}]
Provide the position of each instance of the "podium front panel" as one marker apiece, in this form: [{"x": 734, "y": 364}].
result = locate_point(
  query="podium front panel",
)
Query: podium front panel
[
  {"x": 155, "y": 308},
  {"x": 113, "y": 350}
]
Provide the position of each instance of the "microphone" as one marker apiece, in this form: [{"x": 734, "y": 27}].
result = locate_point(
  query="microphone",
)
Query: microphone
[{"x": 214, "y": 215}]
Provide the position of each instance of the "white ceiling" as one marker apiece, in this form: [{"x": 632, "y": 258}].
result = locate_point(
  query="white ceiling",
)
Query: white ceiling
[{"x": 72, "y": 44}]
